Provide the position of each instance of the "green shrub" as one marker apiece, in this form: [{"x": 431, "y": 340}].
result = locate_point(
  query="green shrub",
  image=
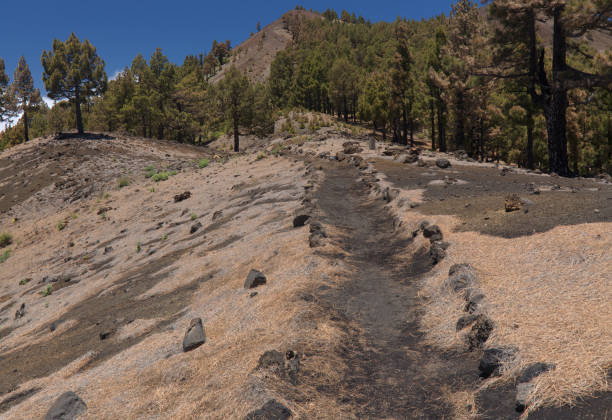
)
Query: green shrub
[
  {"x": 138, "y": 247},
  {"x": 203, "y": 163},
  {"x": 123, "y": 182},
  {"x": 261, "y": 155},
  {"x": 25, "y": 281},
  {"x": 194, "y": 216},
  {"x": 5, "y": 256},
  {"x": 5, "y": 240},
  {"x": 160, "y": 176},
  {"x": 61, "y": 225},
  {"x": 47, "y": 291}
]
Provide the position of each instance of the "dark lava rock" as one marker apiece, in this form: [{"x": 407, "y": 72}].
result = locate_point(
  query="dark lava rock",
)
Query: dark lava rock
[
  {"x": 455, "y": 268},
  {"x": 432, "y": 232},
  {"x": 108, "y": 250},
  {"x": 474, "y": 299},
  {"x": 300, "y": 220},
  {"x": 534, "y": 370},
  {"x": 316, "y": 227},
  {"x": 437, "y": 252},
  {"x": 254, "y": 279},
  {"x": 481, "y": 330},
  {"x": 67, "y": 407},
  {"x": 182, "y": 197},
  {"x": 492, "y": 360},
  {"x": 466, "y": 321},
  {"x": 217, "y": 215},
  {"x": 372, "y": 143},
  {"x": 317, "y": 239},
  {"x": 272, "y": 410},
  {"x": 390, "y": 194},
  {"x": 103, "y": 210},
  {"x": 443, "y": 163},
  {"x": 461, "y": 280},
  {"x": 272, "y": 360},
  {"x": 292, "y": 367},
  {"x": 194, "y": 337},
  {"x": 195, "y": 228},
  {"x": 20, "y": 312},
  {"x": 105, "y": 334}
]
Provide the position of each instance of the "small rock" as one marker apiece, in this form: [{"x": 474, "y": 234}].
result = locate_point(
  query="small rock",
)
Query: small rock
[
  {"x": 437, "y": 252},
  {"x": 433, "y": 233},
  {"x": 317, "y": 239},
  {"x": 421, "y": 163},
  {"x": 194, "y": 337},
  {"x": 300, "y": 220},
  {"x": 596, "y": 211},
  {"x": 272, "y": 410},
  {"x": 372, "y": 143},
  {"x": 340, "y": 156},
  {"x": 254, "y": 279},
  {"x": 443, "y": 163},
  {"x": 217, "y": 215},
  {"x": 108, "y": 249},
  {"x": 253, "y": 294},
  {"x": 523, "y": 392},
  {"x": 513, "y": 203},
  {"x": 534, "y": 370},
  {"x": 315, "y": 227},
  {"x": 195, "y": 227},
  {"x": 67, "y": 407},
  {"x": 474, "y": 299},
  {"x": 465, "y": 321},
  {"x": 21, "y": 311},
  {"x": 390, "y": 194},
  {"x": 492, "y": 360},
  {"x": 105, "y": 334},
  {"x": 182, "y": 197},
  {"x": 461, "y": 279},
  {"x": 481, "y": 330}
]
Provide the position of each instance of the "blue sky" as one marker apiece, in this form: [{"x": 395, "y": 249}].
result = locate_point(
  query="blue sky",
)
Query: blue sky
[{"x": 120, "y": 29}]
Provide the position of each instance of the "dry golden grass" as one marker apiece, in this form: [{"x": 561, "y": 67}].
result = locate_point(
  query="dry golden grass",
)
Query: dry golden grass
[{"x": 548, "y": 294}]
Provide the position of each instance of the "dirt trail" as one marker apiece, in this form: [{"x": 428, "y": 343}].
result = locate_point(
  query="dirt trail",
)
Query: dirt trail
[{"x": 392, "y": 374}]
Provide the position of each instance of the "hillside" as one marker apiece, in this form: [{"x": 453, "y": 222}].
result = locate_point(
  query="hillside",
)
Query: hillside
[
  {"x": 109, "y": 263},
  {"x": 255, "y": 55}
]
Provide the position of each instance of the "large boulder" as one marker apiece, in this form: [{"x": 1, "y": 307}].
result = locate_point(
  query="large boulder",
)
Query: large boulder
[
  {"x": 67, "y": 407},
  {"x": 513, "y": 203},
  {"x": 254, "y": 278},
  {"x": 462, "y": 279},
  {"x": 272, "y": 410},
  {"x": 194, "y": 336}
]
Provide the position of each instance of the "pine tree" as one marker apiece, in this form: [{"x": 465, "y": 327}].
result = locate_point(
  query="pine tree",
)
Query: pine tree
[
  {"x": 572, "y": 20},
  {"x": 236, "y": 101},
  {"x": 26, "y": 96},
  {"x": 74, "y": 71},
  {"x": 403, "y": 86},
  {"x": 6, "y": 99}
]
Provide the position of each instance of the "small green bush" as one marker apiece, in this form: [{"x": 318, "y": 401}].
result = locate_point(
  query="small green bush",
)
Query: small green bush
[
  {"x": 61, "y": 225},
  {"x": 194, "y": 216},
  {"x": 123, "y": 182},
  {"x": 160, "y": 176},
  {"x": 5, "y": 256},
  {"x": 203, "y": 163},
  {"x": 261, "y": 155},
  {"x": 138, "y": 247},
  {"x": 47, "y": 291},
  {"x": 25, "y": 281},
  {"x": 5, "y": 240}
]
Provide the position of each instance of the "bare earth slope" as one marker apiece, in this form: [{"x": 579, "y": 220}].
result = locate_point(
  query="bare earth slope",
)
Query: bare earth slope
[{"x": 100, "y": 283}]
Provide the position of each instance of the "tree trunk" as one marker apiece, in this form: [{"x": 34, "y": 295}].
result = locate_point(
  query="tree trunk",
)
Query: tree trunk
[
  {"x": 345, "y": 110},
  {"x": 432, "y": 111},
  {"x": 404, "y": 128},
  {"x": 236, "y": 135},
  {"x": 557, "y": 115},
  {"x": 530, "y": 126},
  {"x": 441, "y": 126},
  {"x": 77, "y": 107},
  {"x": 25, "y": 123},
  {"x": 459, "y": 122}
]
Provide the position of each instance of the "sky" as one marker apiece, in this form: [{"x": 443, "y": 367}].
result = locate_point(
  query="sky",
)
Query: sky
[{"x": 120, "y": 29}]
